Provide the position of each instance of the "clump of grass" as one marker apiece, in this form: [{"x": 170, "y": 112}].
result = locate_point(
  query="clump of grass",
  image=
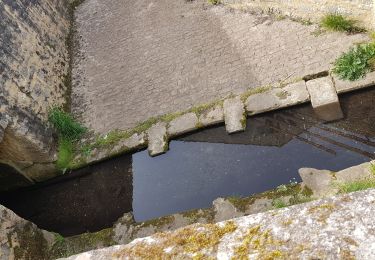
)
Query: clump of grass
[
  {"x": 357, "y": 185},
  {"x": 68, "y": 131},
  {"x": 337, "y": 22},
  {"x": 278, "y": 204},
  {"x": 356, "y": 63},
  {"x": 214, "y": 2},
  {"x": 65, "y": 125}
]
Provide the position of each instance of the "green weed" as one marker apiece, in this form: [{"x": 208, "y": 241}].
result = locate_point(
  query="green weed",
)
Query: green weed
[
  {"x": 214, "y": 2},
  {"x": 65, "y": 154},
  {"x": 337, "y": 22},
  {"x": 357, "y": 185},
  {"x": 356, "y": 63}
]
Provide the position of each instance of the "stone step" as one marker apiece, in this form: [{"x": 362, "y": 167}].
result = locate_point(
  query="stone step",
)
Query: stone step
[
  {"x": 324, "y": 99},
  {"x": 157, "y": 139}
]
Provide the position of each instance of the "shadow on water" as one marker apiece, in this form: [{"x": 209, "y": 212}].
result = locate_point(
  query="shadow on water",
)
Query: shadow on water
[{"x": 201, "y": 167}]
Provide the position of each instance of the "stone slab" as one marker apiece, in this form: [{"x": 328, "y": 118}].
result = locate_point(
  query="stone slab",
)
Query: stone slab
[
  {"x": 276, "y": 98},
  {"x": 183, "y": 124},
  {"x": 343, "y": 86},
  {"x": 324, "y": 99},
  {"x": 340, "y": 227},
  {"x": 234, "y": 115},
  {"x": 133, "y": 142},
  {"x": 157, "y": 139},
  {"x": 212, "y": 116}
]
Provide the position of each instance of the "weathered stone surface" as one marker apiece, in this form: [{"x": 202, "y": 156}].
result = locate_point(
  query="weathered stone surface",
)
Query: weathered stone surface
[
  {"x": 20, "y": 239},
  {"x": 34, "y": 69},
  {"x": 212, "y": 116},
  {"x": 324, "y": 98},
  {"x": 234, "y": 115},
  {"x": 292, "y": 94},
  {"x": 224, "y": 210},
  {"x": 157, "y": 139},
  {"x": 343, "y": 86},
  {"x": 183, "y": 124},
  {"x": 324, "y": 183},
  {"x": 327, "y": 228},
  {"x": 135, "y": 141}
]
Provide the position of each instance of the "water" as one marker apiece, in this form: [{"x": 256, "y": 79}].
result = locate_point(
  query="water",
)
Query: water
[{"x": 201, "y": 167}]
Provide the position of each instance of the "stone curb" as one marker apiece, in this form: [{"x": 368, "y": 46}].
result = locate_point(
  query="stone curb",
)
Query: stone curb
[{"x": 276, "y": 97}]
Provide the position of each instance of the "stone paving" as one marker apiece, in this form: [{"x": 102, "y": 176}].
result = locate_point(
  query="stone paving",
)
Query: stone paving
[{"x": 142, "y": 58}]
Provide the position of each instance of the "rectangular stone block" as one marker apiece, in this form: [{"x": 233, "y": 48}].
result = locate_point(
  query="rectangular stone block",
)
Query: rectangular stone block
[
  {"x": 212, "y": 116},
  {"x": 292, "y": 94},
  {"x": 183, "y": 124},
  {"x": 324, "y": 99},
  {"x": 234, "y": 115},
  {"x": 343, "y": 86},
  {"x": 157, "y": 139}
]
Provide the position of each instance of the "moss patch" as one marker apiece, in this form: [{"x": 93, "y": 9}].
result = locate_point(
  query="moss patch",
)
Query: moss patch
[{"x": 189, "y": 241}]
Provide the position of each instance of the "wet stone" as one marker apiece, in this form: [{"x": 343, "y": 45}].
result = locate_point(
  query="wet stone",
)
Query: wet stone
[
  {"x": 183, "y": 124},
  {"x": 324, "y": 99},
  {"x": 212, "y": 116},
  {"x": 234, "y": 115},
  {"x": 292, "y": 94},
  {"x": 157, "y": 139}
]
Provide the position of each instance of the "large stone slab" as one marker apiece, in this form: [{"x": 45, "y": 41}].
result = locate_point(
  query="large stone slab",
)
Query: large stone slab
[
  {"x": 157, "y": 139},
  {"x": 183, "y": 124},
  {"x": 234, "y": 115},
  {"x": 324, "y": 99},
  {"x": 212, "y": 116},
  {"x": 325, "y": 182},
  {"x": 21, "y": 239},
  {"x": 340, "y": 227},
  {"x": 275, "y": 98},
  {"x": 343, "y": 86}
]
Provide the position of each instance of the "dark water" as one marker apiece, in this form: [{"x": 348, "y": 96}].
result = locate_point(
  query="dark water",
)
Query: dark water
[{"x": 201, "y": 167}]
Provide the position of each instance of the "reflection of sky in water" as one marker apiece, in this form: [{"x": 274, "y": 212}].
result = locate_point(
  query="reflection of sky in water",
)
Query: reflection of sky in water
[{"x": 193, "y": 174}]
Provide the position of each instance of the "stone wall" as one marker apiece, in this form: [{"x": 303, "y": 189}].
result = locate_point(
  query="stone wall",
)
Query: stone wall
[
  {"x": 361, "y": 10},
  {"x": 34, "y": 66}
]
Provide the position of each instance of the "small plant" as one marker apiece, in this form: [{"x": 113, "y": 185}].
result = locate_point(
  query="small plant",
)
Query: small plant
[
  {"x": 65, "y": 125},
  {"x": 337, "y": 22},
  {"x": 68, "y": 131},
  {"x": 356, "y": 63},
  {"x": 278, "y": 204},
  {"x": 214, "y": 2},
  {"x": 357, "y": 185}
]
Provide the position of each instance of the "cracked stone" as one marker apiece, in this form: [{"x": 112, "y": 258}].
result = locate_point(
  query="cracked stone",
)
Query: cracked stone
[{"x": 212, "y": 116}]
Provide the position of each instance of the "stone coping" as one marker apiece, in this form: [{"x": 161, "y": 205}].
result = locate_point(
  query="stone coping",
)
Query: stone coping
[
  {"x": 340, "y": 227},
  {"x": 254, "y": 101}
]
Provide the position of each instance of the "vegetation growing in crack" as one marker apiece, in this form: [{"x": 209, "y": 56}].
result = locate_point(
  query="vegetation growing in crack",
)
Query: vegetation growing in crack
[
  {"x": 214, "y": 2},
  {"x": 69, "y": 131},
  {"x": 355, "y": 63},
  {"x": 340, "y": 23}
]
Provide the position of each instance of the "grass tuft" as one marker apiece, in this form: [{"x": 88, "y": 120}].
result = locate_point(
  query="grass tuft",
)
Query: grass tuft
[
  {"x": 67, "y": 128},
  {"x": 337, "y": 22},
  {"x": 356, "y": 63},
  {"x": 357, "y": 186},
  {"x": 68, "y": 131},
  {"x": 214, "y": 2}
]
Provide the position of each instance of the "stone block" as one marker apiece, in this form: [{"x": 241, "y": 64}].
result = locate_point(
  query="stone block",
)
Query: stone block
[
  {"x": 157, "y": 139},
  {"x": 292, "y": 94},
  {"x": 234, "y": 115},
  {"x": 319, "y": 181},
  {"x": 343, "y": 86},
  {"x": 324, "y": 99},
  {"x": 183, "y": 124},
  {"x": 137, "y": 140},
  {"x": 212, "y": 116}
]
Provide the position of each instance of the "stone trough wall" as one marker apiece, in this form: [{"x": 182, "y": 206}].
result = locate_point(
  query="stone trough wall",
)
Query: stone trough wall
[
  {"x": 34, "y": 65},
  {"x": 361, "y": 10}
]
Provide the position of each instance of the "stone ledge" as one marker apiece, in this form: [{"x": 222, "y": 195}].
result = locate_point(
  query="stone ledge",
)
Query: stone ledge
[
  {"x": 183, "y": 124},
  {"x": 234, "y": 115},
  {"x": 157, "y": 139},
  {"x": 316, "y": 228},
  {"x": 276, "y": 98},
  {"x": 343, "y": 86}
]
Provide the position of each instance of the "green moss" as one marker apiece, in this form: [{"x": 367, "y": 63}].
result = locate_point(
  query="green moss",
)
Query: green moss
[
  {"x": 65, "y": 247},
  {"x": 279, "y": 203},
  {"x": 254, "y": 91},
  {"x": 159, "y": 222},
  {"x": 214, "y": 2},
  {"x": 241, "y": 203},
  {"x": 372, "y": 169},
  {"x": 195, "y": 215}
]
